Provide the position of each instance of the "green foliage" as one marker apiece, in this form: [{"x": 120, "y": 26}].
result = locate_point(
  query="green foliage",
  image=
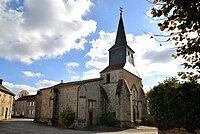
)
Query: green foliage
[
  {"x": 138, "y": 122},
  {"x": 180, "y": 18},
  {"x": 148, "y": 121},
  {"x": 67, "y": 117},
  {"x": 175, "y": 105},
  {"x": 108, "y": 119}
]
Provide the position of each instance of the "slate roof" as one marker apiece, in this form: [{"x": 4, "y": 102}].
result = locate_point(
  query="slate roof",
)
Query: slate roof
[
  {"x": 27, "y": 98},
  {"x": 114, "y": 67},
  {"x": 4, "y": 89},
  {"x": 75, "y": 83},
  {"x": 121, "y": 35},
  {"x": 121, "y": 42}
]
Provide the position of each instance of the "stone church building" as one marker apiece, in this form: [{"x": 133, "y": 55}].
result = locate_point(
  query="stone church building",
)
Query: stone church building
[{"x": 119, "y": 89}]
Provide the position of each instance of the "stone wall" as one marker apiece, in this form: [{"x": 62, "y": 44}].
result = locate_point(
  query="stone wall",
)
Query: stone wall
[
  {"x": 93, "y": 103},
  {"x": 110, "y": 89},
  {"x": 135, "y": 82},
  {"x": 114, "y": 76},
  {"x": 44, "y": 107},
  {"x": 67, "y": 98},
  {"x": 124, "y": 106},
  {"x": 20, "y": 108},
  {"x": 6, "y": 102},
  {"x": 38, "y": 107},
  {"x": 30, "y": 109},
  {"x": 83, "y": 98}
]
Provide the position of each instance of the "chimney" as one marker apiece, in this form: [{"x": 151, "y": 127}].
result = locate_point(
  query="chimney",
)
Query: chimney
[
  {"x": 1, "y": 81},
  {"x": 61, "y": 81}
]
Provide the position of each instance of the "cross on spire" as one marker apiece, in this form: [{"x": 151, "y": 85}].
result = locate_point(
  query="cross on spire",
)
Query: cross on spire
[{"x": 121, "y": 11}]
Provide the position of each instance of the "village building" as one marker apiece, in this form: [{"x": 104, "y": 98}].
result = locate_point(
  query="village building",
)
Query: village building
[
  {"x": 6, "y": 102},
  {"x": 119, "y": 90},
  {"x": 25, "y": 106}
]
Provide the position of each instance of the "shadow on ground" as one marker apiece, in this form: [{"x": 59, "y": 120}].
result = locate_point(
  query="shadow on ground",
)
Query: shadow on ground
[{"x": 26, "y": 126}]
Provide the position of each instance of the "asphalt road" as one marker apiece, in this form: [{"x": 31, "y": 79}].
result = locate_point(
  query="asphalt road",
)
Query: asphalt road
[{"x": 26, "y": 126}]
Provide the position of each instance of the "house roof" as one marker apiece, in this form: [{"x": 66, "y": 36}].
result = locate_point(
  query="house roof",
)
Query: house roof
[
  {"x": 4, "y": 89},
  {"x": 27, "y": 98}
]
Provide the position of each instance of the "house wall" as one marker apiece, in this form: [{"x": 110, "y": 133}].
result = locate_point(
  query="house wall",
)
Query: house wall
[
  {"x": 20, "y": 108},
  {"x": 25, "y": 108},
  {"x": 30, "y": 109},
  {"x": 6, "y": 101}
]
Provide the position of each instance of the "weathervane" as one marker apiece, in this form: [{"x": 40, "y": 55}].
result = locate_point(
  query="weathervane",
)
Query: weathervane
[{"x": 121, "y": 11}]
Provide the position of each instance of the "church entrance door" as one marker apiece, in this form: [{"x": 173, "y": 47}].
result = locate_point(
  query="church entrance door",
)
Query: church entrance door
[{"x": 90, "y": 117}]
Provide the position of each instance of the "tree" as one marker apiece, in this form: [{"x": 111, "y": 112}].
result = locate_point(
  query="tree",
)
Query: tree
[
  {"x": 175, "y": 105},
  {"x": 23, "y": 93},
  {"x": 181, "y": 19}
]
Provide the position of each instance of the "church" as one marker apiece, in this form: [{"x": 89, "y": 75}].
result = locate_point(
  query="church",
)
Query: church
[{"x": 119, "y": 90}]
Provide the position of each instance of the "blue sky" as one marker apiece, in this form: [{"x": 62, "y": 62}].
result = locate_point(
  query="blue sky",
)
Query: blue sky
[{"x": 44, "y": 42}]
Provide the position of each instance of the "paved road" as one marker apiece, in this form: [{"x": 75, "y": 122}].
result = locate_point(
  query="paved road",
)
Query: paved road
[{"x": 26, "y": 126}]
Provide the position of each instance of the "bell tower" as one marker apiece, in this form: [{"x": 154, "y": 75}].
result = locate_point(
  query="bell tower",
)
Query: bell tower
[
  {"x": 121, "y": 82},
  {"x": 121, "y": 56}
]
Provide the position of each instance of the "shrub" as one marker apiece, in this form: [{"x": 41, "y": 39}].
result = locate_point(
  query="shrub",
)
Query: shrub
[
  {"x": 108, "y": 119},
  {"x": 148, "y": 121},
  {"x": 67, "y": 117},
  {"x": 175, "y": 105},
  {"x": 138, "y": 122}
]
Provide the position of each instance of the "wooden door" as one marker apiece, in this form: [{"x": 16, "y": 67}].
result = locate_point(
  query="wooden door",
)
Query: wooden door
[
  {"x": 90, "y": 118},
  {"x": 6, "y": 114}
]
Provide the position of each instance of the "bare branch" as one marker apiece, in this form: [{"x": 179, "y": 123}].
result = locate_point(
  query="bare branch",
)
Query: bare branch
[
  {"x": 153, "y": 18},
  {"x": 162, "y": 35},
  {"x": 154, "y": 3}
]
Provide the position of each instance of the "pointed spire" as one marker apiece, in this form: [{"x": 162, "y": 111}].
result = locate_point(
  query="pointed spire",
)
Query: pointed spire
[{"x": 121, "y": 36}]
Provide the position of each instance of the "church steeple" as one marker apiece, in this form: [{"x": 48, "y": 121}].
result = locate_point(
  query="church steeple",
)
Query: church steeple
[
  {"x": 121, "y": 35},
  {"x": 121, "y": 56}
]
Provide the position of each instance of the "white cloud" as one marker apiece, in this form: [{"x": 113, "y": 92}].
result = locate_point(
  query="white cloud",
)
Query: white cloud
[
  {"x": 70, "y": 66},
  {"x": 43, "y": 29},
  {"x": 151, "y": 59},
  {"x": 45, "y": 83},
  {"x": 75, "y": 77},
  {"x": 93, "y": 73},
  {"x": 31, "y": 74},
  {"x": 16, "y": 88},
  {"x": 99, "y": 52}
]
